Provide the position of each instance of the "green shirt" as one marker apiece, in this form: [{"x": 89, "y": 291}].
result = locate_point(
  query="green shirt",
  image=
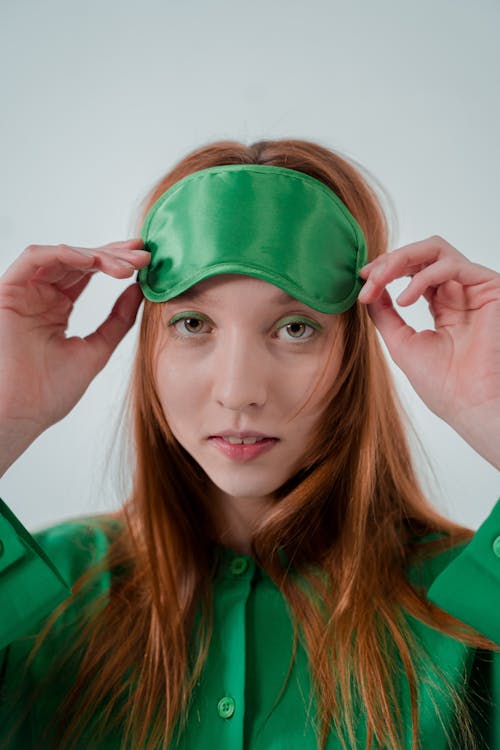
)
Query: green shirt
[{"x": 239, "y": 701}]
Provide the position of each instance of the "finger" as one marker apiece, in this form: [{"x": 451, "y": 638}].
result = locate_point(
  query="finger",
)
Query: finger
[
  {"x": 74, "y": 283},
  {"x": 58, "y": 272},
  {"x": 63, "y": 278},
  {"x": 413, "y": 257},
  {"x": 71, "y": 283},
  {"x": 74, "y": 290},
  {"x": 135, "y": 258},
  {"x": 106, "y": 338},
  {"x": 134, "y": 244},
  {"x": 35, "y": 257},
  {"x": 119, "y": 263},
  {"x": 118, "y": 266},
  {"x": 397, "y": 334},
  {"x": 54, "y": 258},
  {"x": 104, "y": 260},
  {"x": 438, "y": 273},
  {"x": 387, "y": 270},
  {"x": 446, "y": 266},
  {"x": 426, "y": 281}
]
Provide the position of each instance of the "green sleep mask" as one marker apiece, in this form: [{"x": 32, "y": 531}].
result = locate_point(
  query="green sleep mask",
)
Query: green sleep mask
[{"x": 273, "y": 223}]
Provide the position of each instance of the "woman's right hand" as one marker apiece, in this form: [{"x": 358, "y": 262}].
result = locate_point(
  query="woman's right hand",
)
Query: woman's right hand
[{"x": 43, "y": 373}]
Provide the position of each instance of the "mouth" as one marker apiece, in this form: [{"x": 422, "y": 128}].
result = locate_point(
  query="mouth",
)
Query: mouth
[
  {"x": 243, "y": 441},
  {"x": 243, "y": 446}
]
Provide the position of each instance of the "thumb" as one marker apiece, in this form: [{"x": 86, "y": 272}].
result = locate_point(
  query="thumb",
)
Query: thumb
[
  {"x": 122, "y": 317},
  {"x": 398, "y": 335}
]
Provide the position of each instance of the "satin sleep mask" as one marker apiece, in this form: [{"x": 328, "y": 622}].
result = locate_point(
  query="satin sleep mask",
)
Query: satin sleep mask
[{"x": 274, "y": 223}]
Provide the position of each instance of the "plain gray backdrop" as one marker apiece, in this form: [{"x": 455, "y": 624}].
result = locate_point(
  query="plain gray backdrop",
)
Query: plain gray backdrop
[{"x": 99, "y": 99}]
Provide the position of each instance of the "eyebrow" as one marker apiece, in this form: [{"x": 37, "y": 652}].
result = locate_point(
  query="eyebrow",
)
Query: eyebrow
[{"x": 194, "y": 295}]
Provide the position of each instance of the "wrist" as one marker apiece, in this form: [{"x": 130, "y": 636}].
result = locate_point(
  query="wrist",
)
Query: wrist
[
  {"x": 15, "y": 437},
  {"x": 480, "y": 428}
]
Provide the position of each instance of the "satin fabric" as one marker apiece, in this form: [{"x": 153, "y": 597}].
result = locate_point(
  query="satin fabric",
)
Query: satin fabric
[{"x": 274, "y": 223}]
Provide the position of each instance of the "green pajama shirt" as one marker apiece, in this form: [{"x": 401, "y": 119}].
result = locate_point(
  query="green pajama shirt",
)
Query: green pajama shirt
[{"x": 243, "y": 699}]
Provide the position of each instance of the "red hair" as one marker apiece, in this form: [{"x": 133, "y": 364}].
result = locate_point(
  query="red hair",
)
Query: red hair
[{"x": 349, "y": 521}]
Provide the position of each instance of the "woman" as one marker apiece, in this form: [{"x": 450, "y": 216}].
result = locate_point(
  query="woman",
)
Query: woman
[{"x": 277, "y": 577}]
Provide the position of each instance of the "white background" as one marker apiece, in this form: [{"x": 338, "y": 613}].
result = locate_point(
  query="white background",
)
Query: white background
[{"x": 99, "y": 99}]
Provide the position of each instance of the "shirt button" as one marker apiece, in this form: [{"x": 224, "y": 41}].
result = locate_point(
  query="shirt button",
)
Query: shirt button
[
  {"x": 239, "y": 565},
  {"x": 225, "y": 707},
  {"x": 496, "y": 546}
]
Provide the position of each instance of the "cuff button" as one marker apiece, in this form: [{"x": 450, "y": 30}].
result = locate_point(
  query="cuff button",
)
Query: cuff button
[{"x": 496, "y": 546}]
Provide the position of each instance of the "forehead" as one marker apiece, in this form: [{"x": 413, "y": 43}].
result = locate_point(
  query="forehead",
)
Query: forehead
[{"x": 215, "y": 289}]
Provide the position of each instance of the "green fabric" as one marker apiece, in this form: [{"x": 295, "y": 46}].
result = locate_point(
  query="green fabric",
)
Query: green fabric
[
  {"x": 479, "y": 561},
  {"x": 273, "y": 223},
  {"x": 32, "y": 587},
  {"x": 243, "y": 699}
]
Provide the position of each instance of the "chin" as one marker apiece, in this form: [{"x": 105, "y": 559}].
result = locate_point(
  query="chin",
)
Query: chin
[{"x": 236, "y": 487}]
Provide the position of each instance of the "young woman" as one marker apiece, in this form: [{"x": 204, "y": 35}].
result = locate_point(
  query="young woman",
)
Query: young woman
[{"x": 277, "y": 578}]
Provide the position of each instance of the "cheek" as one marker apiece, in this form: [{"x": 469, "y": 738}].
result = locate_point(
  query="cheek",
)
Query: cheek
[
  {"x": 180, "y": 385},
  {"x": 316, "y": 394},
  {"x": 316, "y": 375}
]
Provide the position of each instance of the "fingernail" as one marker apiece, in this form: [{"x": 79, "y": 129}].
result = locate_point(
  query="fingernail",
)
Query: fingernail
[{"x": 366, "y": 289}]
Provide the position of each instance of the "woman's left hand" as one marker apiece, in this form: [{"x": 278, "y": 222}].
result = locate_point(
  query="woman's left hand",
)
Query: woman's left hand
[{"x": 455, "y": 368}]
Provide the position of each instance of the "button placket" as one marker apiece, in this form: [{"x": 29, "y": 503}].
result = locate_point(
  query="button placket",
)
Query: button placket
[{"x": 230, "y": 621}]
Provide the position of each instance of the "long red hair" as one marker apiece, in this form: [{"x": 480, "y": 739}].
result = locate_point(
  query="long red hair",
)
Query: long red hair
[{"x": 349, "y": 522}]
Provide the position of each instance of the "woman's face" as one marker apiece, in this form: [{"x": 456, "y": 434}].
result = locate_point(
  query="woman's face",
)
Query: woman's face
[{"x": 236, "y": 360}]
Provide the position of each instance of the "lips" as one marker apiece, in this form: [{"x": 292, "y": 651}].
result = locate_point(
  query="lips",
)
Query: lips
[
  {"x": 242, "y": 446},
  {"x": 241, "y": 435},
  {"x": 243, "y": 441}
]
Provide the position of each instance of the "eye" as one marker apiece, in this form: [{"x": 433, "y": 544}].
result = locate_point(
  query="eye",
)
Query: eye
[
  {"x": 297, "y": 330},
  {"x": 188, "y": 325}
]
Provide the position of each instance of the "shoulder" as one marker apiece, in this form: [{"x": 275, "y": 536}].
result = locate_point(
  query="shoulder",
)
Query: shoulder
[
  {"x": 430, "y": 555},
  {"x": 76, "y": 544},
  {"x": 465, "y": 555}
]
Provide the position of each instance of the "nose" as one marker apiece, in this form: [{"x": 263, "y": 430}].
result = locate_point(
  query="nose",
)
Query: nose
[{"x": 240, "y": 374}]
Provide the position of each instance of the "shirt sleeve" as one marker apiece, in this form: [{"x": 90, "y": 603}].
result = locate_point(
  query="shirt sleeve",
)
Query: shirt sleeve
[
  {"x": 469, "y": 587},
  {"x": 31, "y": 586}
]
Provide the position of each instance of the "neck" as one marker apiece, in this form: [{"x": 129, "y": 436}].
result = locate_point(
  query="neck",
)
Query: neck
[{"x": 236, "y": 519}]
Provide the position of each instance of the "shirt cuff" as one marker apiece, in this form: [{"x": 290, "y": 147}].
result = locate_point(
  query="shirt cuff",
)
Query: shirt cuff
[{"x": 469, "y": 587}]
